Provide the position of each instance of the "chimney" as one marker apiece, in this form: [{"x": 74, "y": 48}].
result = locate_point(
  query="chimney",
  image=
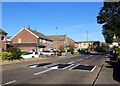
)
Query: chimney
[
  {"x": 29, "y": 27},
  {"x": 35, "y": 30},
  {"x": 114, "y": 36}
]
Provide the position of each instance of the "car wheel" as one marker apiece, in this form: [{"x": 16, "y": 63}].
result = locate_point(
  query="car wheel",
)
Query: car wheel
[{"x": 33, "y": 57}]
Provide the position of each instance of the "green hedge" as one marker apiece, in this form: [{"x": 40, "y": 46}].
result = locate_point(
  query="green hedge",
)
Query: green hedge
[
  {"x": 7, "y": 56},
  {"x": 118, "y": 50}
]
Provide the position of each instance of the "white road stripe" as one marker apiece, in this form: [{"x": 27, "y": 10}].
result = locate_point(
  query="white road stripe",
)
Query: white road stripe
[
  {"x": 68, "y": 66},
  {"x": 71, "y": 62},
  {"x": 52, "y": 68},
  {"x": 80, "y": 59},
  {"x": 9, "y": 82},
  {"x": 93, "y": 68},
  {"x": 43, "y": 71},
  {"x": 87, "y": 57}
]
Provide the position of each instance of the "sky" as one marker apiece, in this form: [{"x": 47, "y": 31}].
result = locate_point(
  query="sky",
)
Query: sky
[{"x": 73, "y": 19}]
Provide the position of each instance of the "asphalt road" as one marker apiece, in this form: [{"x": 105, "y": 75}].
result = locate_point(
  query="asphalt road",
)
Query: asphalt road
[{"x": 23, "y": 74}]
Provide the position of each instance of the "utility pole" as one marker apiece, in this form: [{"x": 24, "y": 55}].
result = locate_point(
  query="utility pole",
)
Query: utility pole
[
  {"x": 87, "y": 35},
  {"x": 56, "y": 41}
]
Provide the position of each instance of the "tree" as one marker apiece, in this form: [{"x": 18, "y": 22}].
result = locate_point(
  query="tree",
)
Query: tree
[
  {"x": 109, "y": 17},
  {"x": 70, "y": 48}
]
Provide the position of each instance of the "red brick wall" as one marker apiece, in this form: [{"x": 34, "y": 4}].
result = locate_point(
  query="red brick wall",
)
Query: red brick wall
[
  {"x": 3, "y": 43},
  {"x": 25, "y": 36},
  {"x": 70, "y": 42},
  {"x": 28, "y": 48},
  {"x": 61, "y": 43}
]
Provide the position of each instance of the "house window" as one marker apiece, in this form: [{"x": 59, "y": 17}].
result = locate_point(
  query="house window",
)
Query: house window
[
  {"x": 19, "y": 40},
  {"x": 48, "y": 42},
  {"x": 44, "y": 41},
  {"x": 40, "y": 40},
  {"x": 51, "y": 42},
  {"x": 2, "y": 38}
]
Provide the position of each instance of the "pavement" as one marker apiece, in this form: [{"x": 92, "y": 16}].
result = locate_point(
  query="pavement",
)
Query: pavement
[
  {"x": 110, "y": 73},
  {"x": 21, "y": 73}
]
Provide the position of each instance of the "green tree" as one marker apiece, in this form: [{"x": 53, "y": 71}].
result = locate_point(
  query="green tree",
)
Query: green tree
[
  {"x": 109, "y": 17},
  {"x": 70, "y": 48},
  {"x": 62, "y": 49}
]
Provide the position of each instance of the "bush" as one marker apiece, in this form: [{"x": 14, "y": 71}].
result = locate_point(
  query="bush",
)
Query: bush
[
  {"x": 62, "y": 49},
  {"x": 6, "y": 56},
  {"x": 117, "y": 50},
  {"x": 70, "y": 49},
  {"x": 16, "y": 53}
]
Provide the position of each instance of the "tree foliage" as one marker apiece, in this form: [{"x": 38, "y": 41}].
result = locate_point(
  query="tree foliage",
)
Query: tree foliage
[{"x": 109, "y": 17}]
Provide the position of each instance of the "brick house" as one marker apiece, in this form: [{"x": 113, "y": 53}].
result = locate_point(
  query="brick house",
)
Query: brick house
[
  {"x": 29, "y": 40},
  {"x": 3, "y": 36},
  {"x": 60, "y": 40},
  {"x": 86, "y": 44}
]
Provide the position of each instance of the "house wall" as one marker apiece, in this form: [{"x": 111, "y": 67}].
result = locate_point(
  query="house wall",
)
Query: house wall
[
  {"x": 3, "y": 43},
  {"x": 25, "y": 37},
  {"x": 29, "y": 48},
  {"x": 70, "y": 41},
  {"x": 64, "y": 43}
]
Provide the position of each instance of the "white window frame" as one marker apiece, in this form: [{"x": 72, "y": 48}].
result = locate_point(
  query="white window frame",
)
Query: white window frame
[
  {"x": 40, "y": 40},
  {"x": 19, "y": 40},
  {"x": 43, "y": 41}
]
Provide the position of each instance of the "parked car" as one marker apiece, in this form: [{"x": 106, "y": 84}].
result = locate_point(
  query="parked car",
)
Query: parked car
[
  {"x": 58, "y": 53},
  {"x": 30, "y": 55},
  {"x": 87, "y": 51},
  {"x": 46, "y": 52},
  {"x": 82, "y": 51}
]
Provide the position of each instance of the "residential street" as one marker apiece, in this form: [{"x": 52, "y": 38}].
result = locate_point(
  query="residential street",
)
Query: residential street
[{"x": 55, "y": 74}]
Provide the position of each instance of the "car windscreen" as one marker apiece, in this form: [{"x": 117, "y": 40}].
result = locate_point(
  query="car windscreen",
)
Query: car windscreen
[
  {"x": 46, "y": 51},
  {"x": 28, "y": 53}
]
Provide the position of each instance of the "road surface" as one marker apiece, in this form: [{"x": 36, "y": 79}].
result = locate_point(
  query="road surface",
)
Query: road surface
[{"x": 33, "y": 73}]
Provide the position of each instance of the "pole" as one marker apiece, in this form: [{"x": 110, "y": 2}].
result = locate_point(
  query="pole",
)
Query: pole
[
  {"x": 87, "y": 35},
  {"x": 56, "y": 41}
]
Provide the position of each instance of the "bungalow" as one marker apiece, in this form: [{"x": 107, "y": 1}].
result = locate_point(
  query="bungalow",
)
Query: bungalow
[
  {"x": 3, "y": 36},
  {"x": 31, "y": 40}
]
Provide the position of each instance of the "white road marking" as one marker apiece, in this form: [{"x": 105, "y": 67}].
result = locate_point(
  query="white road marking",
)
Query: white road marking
[
  {"x": 71, "y": 62},
  {"x": 80, "y": 59},
  {"x": 87, "y": 57},
  {"x": 73, "y": 67},
  {"x": 56, "y": 67},
  {"x": 68, "y": 66},
  {"x": 10, "y": 82},
  {"x": 93, "y": 68},
  {"x": 33, "y": 66}
]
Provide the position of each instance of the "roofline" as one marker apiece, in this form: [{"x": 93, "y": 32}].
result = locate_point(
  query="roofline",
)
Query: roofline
[
  {"x": 55, "y": 35},
  {"x": 86, "y": 41},
  {"x": 27, "y": 30}
]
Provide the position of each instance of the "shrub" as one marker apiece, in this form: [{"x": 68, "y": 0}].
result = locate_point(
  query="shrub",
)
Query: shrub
[
  {"x": 70, "y": 49},
  {"x": 62, "y": 49},
  {"x": 6, "y": 56},
  {"x": 16, "y": 53}
]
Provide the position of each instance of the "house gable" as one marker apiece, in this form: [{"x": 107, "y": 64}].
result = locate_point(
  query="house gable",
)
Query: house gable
[{"x": 25, "y": 36}]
